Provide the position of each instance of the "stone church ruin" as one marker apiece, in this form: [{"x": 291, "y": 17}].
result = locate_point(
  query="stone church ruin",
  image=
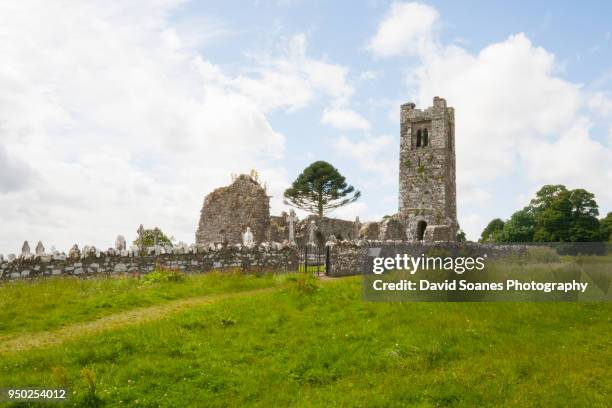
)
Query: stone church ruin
[
  {"x": 427, "y": 195},
  {"x": 236, "y": 230},
  {"x": 228, "y": 211}
]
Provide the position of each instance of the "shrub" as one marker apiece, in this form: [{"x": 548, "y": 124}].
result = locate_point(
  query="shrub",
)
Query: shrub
[
  {"x": 306, "y": 283},
  {"x": 164, "y": 275}
]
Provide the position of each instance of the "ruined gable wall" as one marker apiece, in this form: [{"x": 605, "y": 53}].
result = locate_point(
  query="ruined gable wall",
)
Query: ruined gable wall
[{"x": 227, "y": 212}]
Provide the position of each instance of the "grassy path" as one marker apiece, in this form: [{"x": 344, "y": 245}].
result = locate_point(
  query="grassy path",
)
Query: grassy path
[{"x": 25, "y": 342}]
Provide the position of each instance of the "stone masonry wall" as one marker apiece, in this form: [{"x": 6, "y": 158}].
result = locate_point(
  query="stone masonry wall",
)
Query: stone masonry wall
[
  {"x": 228, "y": 211},
  {"x": 391, "y": 229},
  {"x": 263, "y": 257},
  {"x": 427, "y": 170},
  {"x": 348, "y": 257},
  {"x": 341, "y": 229},
  {"x": 279, "y": 229}
]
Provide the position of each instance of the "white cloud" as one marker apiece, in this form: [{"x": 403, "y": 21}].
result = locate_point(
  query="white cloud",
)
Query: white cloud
[
  {"x": 373, "y": 154},
  {"x": 473, "y": 195},
  {"x": 120, "y": 122},
  {"x": 575, "y": 159},
  {"x": 472, "y": 225},
  {"x": 601, "y": 103},
  {"x": 504, "y": 94},
  {"x": 406, "y": 29},
  {"x": 15, "y": 174},
  {"x": 344, "y": 119},
  {"x": 370, "y": 75},
  {"x": 349, "y": 212},
  {"x": 293, "y": 79}
]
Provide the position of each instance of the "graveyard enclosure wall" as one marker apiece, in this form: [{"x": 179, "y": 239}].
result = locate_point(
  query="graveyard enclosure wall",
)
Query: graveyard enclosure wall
[
  {"x": 348, "y": 257},
  {"x": 204, "y": 260}
]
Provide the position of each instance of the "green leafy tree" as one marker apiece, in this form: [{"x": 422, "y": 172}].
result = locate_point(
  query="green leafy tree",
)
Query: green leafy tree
[
  {"x": 461, "y": 235},
  {"x": 606, "y": 227},
  {"x": 585, "y": 226},
  {"x": 320, "y": 189},
  {"x": 148, "y": 238},
  {"x": 492, "y": 231},
  {"x": 555, "y": 214},
  {"x": 552, "y": 212},
  {"x": 563, "y": 215},
  {"x": 519, "y": 228}
]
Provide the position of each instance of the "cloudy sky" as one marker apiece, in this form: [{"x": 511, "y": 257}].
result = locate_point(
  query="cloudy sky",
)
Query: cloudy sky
[{"x": 118, "y": 113}]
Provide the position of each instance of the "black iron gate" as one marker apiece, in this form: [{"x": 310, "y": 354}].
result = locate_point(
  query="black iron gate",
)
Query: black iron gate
[{"x": 314, "y": 259}]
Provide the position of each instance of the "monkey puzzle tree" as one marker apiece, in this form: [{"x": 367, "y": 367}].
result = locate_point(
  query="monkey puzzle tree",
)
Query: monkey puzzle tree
[{"x": 320, "y": 189}]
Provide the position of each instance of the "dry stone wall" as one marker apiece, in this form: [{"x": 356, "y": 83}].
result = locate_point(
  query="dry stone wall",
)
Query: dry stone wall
[
  {"x": 348, "y": 257},
  {"x": 268, "y": 257}
]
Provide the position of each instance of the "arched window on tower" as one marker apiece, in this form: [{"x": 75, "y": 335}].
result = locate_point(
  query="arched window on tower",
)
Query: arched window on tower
[
  {"x": 418, "y": 141},
  {"x": 425, "y": 138},
  {"x": 450, "y": 138}
]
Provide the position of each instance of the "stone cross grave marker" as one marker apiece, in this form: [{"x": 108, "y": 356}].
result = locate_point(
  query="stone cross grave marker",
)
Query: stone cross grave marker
[{"x": 292, "y": 219}]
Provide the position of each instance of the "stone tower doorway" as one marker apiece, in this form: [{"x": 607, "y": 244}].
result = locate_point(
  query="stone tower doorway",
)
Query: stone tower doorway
[{"x": 421, "y": 226}]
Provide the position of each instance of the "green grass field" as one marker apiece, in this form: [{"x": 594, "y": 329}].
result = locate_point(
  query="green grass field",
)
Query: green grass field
[{"x": 232, "y": 340}]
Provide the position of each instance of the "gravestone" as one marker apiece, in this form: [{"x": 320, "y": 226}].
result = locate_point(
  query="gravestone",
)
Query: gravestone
[
  {"x": 247, "y": 238},
  {"x": 120, "y": 244},
  {"x": 291, "y": 220},
  {"x": 25, "y": 250},
  {"x": 40, "y": 249}
]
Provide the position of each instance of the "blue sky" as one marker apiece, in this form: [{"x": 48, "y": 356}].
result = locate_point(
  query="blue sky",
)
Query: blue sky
[{"x": 115, "y": 114}]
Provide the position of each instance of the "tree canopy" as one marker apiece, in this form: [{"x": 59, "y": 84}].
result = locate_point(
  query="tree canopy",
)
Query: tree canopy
[
  {"x": 606, "y": 227},
  {"x": 461, "y": 235},
  {"x": 555, "y": 214},
  {"x": 319, "y": 189},
  {"x": 492, "y": 231},
  {"x": 148, "y": 238}
]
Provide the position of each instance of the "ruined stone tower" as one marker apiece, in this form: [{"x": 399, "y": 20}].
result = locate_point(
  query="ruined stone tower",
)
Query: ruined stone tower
[{"x": 427, "y": 188}]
